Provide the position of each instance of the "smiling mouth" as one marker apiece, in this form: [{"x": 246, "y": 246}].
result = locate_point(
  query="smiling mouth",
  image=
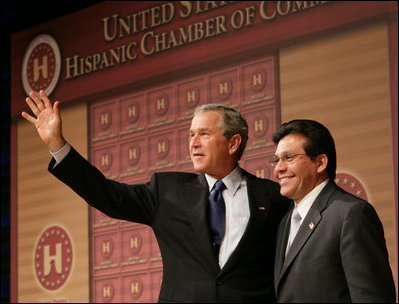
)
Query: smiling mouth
[{"x": 284, "y": 179}]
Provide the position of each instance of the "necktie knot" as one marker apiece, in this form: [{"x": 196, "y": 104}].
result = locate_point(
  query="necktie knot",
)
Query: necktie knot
[
  {"x": 219, "y": 185},
  {"x": 295, "y": 215}
]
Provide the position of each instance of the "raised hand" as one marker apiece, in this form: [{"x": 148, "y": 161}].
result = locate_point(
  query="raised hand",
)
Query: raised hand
[{"x": 48, "y": 120}]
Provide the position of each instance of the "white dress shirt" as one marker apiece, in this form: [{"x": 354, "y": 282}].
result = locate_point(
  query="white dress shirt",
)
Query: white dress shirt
[
  {"x": 61, "y": 153},
  {"x": 307, "y": 202}
]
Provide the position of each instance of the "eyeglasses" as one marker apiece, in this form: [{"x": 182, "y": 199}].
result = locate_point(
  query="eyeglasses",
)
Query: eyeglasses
[{"x": 286, "y": 159}]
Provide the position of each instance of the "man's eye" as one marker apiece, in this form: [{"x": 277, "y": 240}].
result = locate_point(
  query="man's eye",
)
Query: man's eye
[{"x": 289, "y": 158}]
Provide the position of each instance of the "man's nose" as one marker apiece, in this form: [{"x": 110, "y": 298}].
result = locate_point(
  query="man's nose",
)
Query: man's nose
[
  {"x": 280, "y": 166},
  {"x": 194, "y": 141}
]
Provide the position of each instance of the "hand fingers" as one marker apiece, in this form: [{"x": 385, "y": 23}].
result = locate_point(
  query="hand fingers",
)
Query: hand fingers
[
  {"x": 37, "y": 100},
  {"x": 28, "y": 117},
  {"x": 47, "y": 102},
  {"x": 32, "y": 105},
  {"x": 57, "y": 108}
]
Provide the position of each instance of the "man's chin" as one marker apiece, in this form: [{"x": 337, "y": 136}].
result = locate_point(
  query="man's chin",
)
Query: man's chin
[
  {"x": 199, "y": 168},
  {"x": 285, "y": 192}
]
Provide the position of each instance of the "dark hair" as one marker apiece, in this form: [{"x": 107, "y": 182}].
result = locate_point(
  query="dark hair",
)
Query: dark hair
[
  {"x": 232, "y": 122},
  {"x": 319, "y": 140}
]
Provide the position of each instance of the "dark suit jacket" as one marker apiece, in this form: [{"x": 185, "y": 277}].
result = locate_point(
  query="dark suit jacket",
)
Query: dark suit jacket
[
  {"x": 338, "y": 255},
  {"x": 174, "y": 205}
]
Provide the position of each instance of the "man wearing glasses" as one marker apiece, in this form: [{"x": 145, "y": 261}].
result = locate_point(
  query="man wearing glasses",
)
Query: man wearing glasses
[{"x": 330, "y": 245}]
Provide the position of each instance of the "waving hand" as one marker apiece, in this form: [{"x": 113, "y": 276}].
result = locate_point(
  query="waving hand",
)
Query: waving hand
[{"x": 48, "y": 120}]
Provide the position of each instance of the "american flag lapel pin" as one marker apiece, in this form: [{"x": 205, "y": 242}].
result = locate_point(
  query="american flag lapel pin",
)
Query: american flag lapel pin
[
  {"x": 262, "y": 208},
  {"x": 311, "y": 225}
]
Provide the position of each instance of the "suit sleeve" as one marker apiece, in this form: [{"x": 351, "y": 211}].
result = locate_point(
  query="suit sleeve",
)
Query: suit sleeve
[
  {"x": 135, "y": 203},
  {"x": 365, "y": 257}
]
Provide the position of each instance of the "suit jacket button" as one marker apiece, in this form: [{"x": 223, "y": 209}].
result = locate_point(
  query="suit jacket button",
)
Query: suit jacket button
[{"x": 219, "y": 283}]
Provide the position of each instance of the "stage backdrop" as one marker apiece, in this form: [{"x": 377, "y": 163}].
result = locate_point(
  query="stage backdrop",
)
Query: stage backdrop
[{"x": 129, "y": 76}]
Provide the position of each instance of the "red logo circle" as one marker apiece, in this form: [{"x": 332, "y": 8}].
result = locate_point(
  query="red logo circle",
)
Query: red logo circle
[
  {"x": 105, "y": 119},
  {"x": 260, "y": 126},
  {"x": 133, "y": 112},
  {"x": 106, "y": 161},
  {"x": 136, "y": 288},
  {"x": 258, "y": 80},
  {"x": 162, "y": 148},
  {"x": 161, "y": 104},
  {"x": 41, "y": 65},
  {"x": 107, "y": 248},
  {"x": 133, "y": 154},
  {"x": 108, "y": 292},
  {"x": 192, "y": 96},
  {"x": 53, "y": 258},
  {"x": 224, "y": 88},
  {"x": 136, "y": 243},
  {"x": 351, "y": 184}
]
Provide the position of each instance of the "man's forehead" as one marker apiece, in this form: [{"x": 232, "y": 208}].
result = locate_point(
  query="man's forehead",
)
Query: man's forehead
[
  {"x": 203, "y": 129},
  {"x": 291, "y": 143}
]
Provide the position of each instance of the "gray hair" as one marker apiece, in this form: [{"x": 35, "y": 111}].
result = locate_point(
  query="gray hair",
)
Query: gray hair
[{"x": 232, "y": 122}]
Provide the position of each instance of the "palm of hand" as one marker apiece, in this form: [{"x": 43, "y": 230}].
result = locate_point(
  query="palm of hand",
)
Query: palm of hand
[{"x": 47, "y": 124}]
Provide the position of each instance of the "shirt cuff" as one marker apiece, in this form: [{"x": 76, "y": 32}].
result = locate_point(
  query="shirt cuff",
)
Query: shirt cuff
[{"x": 61, "y": 153}]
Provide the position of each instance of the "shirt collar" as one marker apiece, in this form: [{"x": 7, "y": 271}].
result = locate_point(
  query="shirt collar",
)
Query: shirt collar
[
  {"x": 232, "y": 180},
  {"x": 307, "y": 201}
]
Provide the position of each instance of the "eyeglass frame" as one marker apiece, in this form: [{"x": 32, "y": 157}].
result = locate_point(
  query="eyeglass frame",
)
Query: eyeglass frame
[{"x": 286, "y": 159}]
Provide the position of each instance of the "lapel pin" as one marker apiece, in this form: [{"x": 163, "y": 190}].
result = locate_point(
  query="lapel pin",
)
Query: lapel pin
[
  {"x": 262, "y": 208},
  {"x": 311, "y": 225}
]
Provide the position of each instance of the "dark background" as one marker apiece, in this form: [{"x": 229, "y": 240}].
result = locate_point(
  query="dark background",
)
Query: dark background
[{"x": 17, "y": 16}]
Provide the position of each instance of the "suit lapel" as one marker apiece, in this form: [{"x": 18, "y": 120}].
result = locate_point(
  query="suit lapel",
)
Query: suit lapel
[
  {"x": 198, "y": 191},
  {"x": 308, "y": 225},
  {"x": 259, "y": 206}
]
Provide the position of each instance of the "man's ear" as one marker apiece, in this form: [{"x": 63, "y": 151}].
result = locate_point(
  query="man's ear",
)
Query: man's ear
[
  {"x": 234, "y": 143},
  {"x": 322, "y": 161}
]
